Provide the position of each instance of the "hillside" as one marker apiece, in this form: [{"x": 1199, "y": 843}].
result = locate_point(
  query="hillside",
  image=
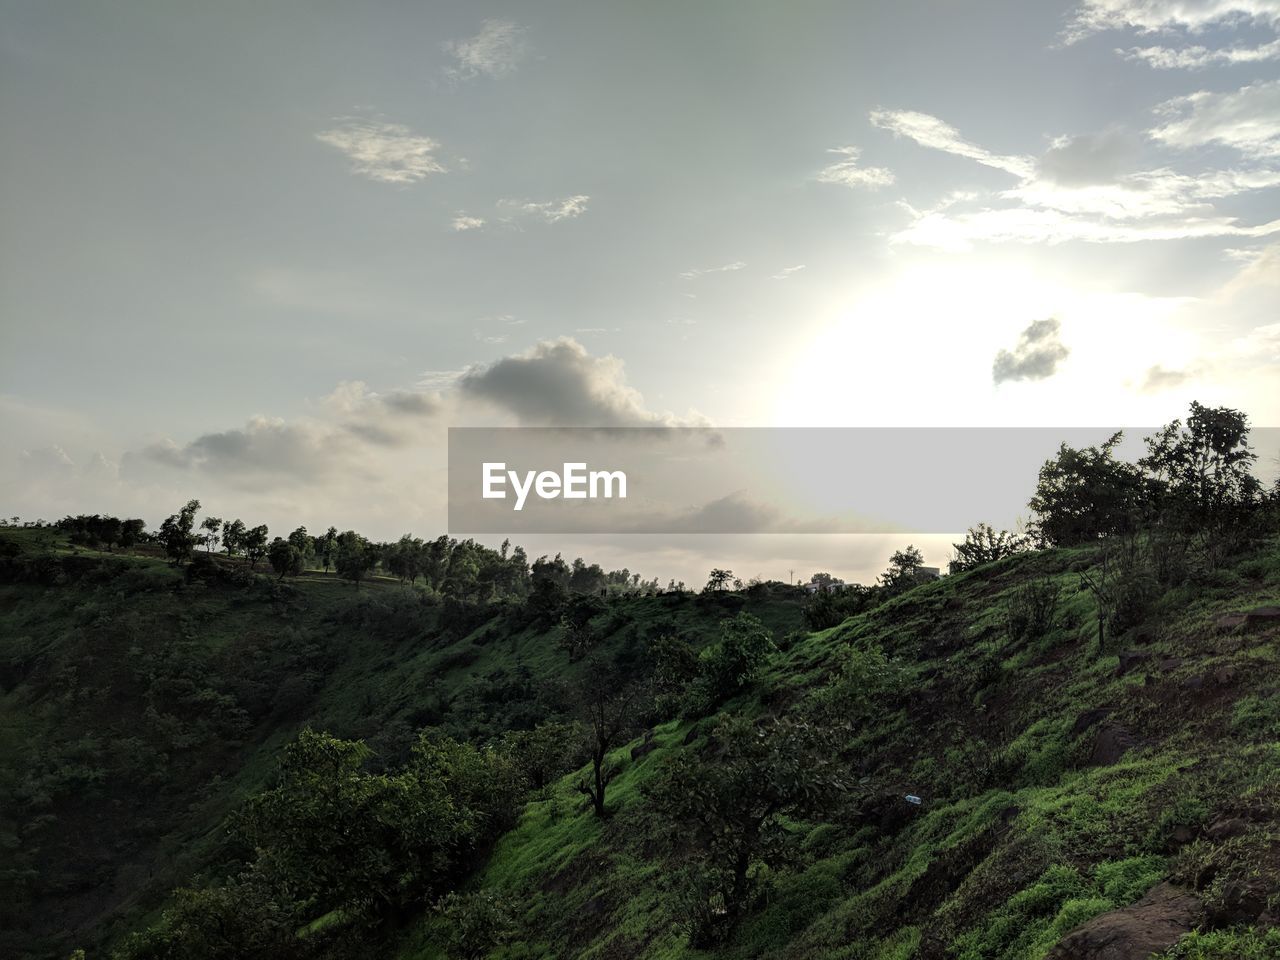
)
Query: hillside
[
  {"x": 1069, "y": 795},
  {"x": 139, "y": 705}
]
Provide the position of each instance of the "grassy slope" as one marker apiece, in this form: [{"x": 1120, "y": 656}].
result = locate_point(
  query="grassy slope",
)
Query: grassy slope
[
  {"x": 1022, "y": 834},
  {"x": 137, "y": 711}
]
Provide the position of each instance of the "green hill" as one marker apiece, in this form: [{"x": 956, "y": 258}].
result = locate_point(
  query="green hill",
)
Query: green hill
[{"x": 1065, "y": 789}]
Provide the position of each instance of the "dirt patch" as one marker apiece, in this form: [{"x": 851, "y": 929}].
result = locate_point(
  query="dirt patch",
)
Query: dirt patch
[{"x": 1154, "y": 923}]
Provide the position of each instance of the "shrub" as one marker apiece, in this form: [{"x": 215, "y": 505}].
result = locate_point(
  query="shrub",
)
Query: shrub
[{"x": 1030, "y": 612}]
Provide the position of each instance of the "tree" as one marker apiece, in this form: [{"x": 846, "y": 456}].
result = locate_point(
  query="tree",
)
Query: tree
[
  {"x": 1083, "y": 495},
  {"x": 904, "y": 568},
  {"x": 730, "y": 809},
  {"x": 131, "y": 532},
  {"x": 354, "y": 557},
  {"x": 735, "y": 660},
  {"x": 210, "y": 526},
  {"x": 175, "y": 533},
  {"x": 1202, "y": 475},
  {"x": 254, "y": 544},
  {"x": 982, "y": 544},
  {"x": 302, "y": 543},
  {"x": 233, "y": 537},
  {"x": 286, "y": 559},
  {"x": 579, "y": 637},
  {"x": 675, "y": 667},
  {"x": 608, "y": 703},
  {"x": 718, "y": 579},
  {"x": 543, "y": 753},
  {"x": 326, "y": 546}
]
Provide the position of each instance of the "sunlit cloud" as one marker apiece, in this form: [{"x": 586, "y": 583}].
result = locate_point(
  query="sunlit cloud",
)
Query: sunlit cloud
[
  {"x": 929, "y": 131},
  {"x": 1149, "y": 16},
  {"x": 493, "y": 52},
  {"x": 463, "y": 222},
  {"x": 787, "y": 272},
  {"x": 1198, "y": 57},
  {"x": 1083, "y": 187},
  {"x": 703, "y": 271},
  {"x": 1247, "y": 120},
  {"x": 847, "y": 172},
  {"x": 550, "y": 211},
  {"x": 385, "y": 152}
]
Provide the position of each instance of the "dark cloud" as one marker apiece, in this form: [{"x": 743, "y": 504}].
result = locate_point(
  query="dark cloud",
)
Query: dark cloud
[
  {"x": 1090, "y": 158},
  {"x": 261, "y": 447},
  {"x": 1036, "y": 357},
  {"x": 409, "y": 402},
  {"x": 558, "y": 383}
]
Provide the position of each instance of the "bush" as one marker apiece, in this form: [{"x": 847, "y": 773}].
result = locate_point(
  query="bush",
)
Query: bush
[
  {"x": 1030, "y": 613},
  {"x": 475, "y": 923}
]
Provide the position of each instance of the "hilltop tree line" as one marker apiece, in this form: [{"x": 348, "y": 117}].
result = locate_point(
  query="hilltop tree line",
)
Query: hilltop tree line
[{"x": 461, "y": 569}]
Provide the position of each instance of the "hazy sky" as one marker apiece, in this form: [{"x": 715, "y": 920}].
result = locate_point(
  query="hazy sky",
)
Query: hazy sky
[{"x": 265, "y": 253}]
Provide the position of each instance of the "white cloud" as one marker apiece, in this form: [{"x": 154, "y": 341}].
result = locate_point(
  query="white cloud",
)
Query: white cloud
[
  {"x": 1247, "y": 120},
  {"x": 493, "y": 52},
  {"x": 786, "y": 272},
  {"x": 385, "y": 152},
  {"x": 1079, "y": 189},
  {"x": 464, "y": 222},
  {"x": 1197, "y": 57},
  {"x": 702, "y": 271},
  {"x": 929, "y": 131},
  {"x": 1262, "y": 344},
  {"x": 552, "y": 211},
  {"x": 847, "y": 173},
  {"x": 959, "y": 231},
  {"x": 1149, "y": 16}
]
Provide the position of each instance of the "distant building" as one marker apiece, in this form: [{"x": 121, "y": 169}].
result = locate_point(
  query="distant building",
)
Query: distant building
[
  {"x": 819, "y": 586},
  {"x": 926, "y": 574}
]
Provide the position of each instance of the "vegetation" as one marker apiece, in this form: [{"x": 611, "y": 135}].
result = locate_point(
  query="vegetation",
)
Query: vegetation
[{"x": 446, "y": 750}]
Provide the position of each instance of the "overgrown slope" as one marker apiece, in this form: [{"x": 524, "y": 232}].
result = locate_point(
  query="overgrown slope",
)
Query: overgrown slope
[
  {"x": 1059, "y": 782},
  {"x": 140, "y": 706}
]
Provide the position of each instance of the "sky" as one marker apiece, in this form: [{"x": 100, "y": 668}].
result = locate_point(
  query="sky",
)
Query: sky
[{"x": 266, "y": 254}]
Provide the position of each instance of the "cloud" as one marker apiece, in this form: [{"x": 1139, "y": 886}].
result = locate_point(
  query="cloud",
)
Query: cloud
[
  {"x": 385, "y": 152},
  {"x": 1088, "y": 159},
  {"x": 847, "y": 173},
  {"x": 1149, "y": 16},
  {"x": 703, "y": 271},
  {"x": 1198, "y": 57},
  {"x": 1079, "y": 191},
  {"x": 552, "y": 211},
  {"x": 463, "y": 222},
  {"x": 1262, "y": 344},
  {"x": 352, "y": 419},
  {"x": 558, "y": 383},
  {"x": 929, "y": 131},
  {"x": 1247, "y": 120},
  {"x": 786, "y": 272},
  {"x": 1158, "y": 379},
  {"x": 1036, "y": 356},
  {"x": 493, "y": 52}
]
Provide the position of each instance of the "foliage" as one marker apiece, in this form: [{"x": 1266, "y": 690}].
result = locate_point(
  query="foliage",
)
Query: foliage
[
  {"x": 727, "y": 810},
  {"x": 735, "y": 661},
  {"x": 1085, "y": 494},
  {"x": 982, "y": 544},
  {"x": 476, "y": 923}
]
